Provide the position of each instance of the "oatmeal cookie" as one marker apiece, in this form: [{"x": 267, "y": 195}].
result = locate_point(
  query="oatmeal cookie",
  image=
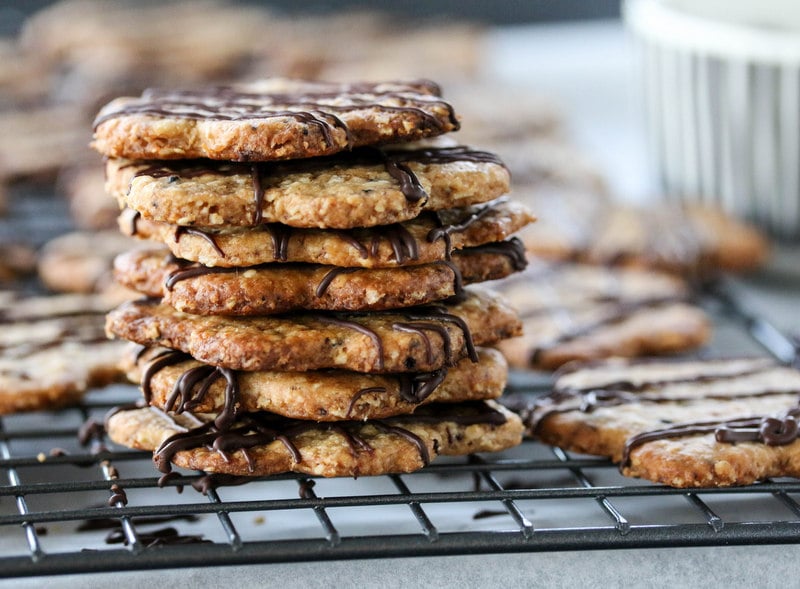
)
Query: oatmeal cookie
[
  {"x": 425, "y": 239},
  {"x": 53, "y": 349},
  {"x": 262, "y": 443},
  {"x": 583, "y": 312},
  {"x": 418, "y": 339},
  {"x": 691, "y": 241},
  {"x": 362, "y": 188},
  {"x": 277, "y": 288},
  {"x": 82, "y": 261},
  {"x": 173, "y": 381},
  {"x": 690, "y": 423},
  {"x": 271, "y": 119}
]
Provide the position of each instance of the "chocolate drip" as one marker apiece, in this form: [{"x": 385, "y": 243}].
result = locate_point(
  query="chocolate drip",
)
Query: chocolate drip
[
  {"x": 329, "y": 277},
  {"x": 192, "y": 271},
  {"x": 258, "y": 194},
  {"x": 402, "y": 242},
  {"x": 458, "y": 278},
  {"x": 193, "y": 385},
  {"x": 418, "y": 387},
  {"x": 412, "y": 388},
  {"x": 360, "y": 394},
  {"x": 769, "y": 430},
  {"x": 376, "y": 339},
  {"x": 445, "y": 231},
  {"x": 439, "y": 313},
  {"x": 161, "y": 360},
  {"x": 421, "y": 329},
  {"x": 409, "y": 183},
  {"x": 181, "y": 230},
  {"x": 620, "y": 312},
  {"x": 118, "y": 495},
  {"x": 256, "y": 429},
  {"x": 422, "y": 448},
  {"x": 513, "y": 249},
  {"x": 280, "y": 235}
]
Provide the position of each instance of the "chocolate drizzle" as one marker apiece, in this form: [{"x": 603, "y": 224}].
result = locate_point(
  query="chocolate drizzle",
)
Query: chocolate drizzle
[
  {"x": 395, "y": 163},
  {"x": 261, "y": 428},
  {"x": 323, "y": 285},
  {"x": 376, "y": 339},
  {"x": 402, "y": 242},
  {"x": 620, "y": 311},
  {"x": 180, "y": 230},
  {"x": 772, "y": 430},
  {"x": 313, "y": 108},
  {"x": 512, "y": 248},
  {"x": 444, "y": 231},
  {"x": 191, "y": 388},
  {"x": 439, "y": 313}
]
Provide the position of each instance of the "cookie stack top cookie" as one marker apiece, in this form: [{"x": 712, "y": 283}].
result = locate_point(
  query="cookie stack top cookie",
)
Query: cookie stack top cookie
[{"x": 316, "y": 273}]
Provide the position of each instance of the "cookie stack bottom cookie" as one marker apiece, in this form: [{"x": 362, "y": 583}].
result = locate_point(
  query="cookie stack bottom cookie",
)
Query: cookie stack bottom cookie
[
  {"x": 312, "y": 316},
  {"x": 319, "y": 393}
]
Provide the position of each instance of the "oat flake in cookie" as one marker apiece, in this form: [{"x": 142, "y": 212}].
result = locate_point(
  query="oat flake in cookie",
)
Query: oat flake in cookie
[
  {"x": 689, "y": 423},
  {"x": 272, "y": 119}
]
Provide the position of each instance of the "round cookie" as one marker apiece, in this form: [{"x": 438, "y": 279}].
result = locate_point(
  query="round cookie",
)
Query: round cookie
[
  {"x": 688, "y": 423},
  {"x": 583, "y": 312},
  {"x": 692, "y": 241},
  {"x": 173, "y": 381},
  {"x": 262, "y": 443},
  {"x": 82, "y": 261},
  {"x": 53, "y": 349},
  {"x": 425, "y": 239},
  {"x": 362, "y": 188},
  {"x": 270, "y": 120},
  {"x": 277, "y": 288},
  {"x": 419, "y": 339}
]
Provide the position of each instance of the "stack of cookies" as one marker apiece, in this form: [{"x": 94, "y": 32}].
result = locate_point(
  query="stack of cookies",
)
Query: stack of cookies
[{"x": 309, "y": 312}]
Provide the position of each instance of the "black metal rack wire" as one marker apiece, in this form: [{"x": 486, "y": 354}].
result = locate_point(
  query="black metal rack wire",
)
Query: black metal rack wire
[{"x": 59, "y": 513}]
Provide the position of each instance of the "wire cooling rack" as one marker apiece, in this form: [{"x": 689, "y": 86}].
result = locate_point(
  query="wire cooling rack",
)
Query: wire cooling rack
[{"x": 66, "y": 508}]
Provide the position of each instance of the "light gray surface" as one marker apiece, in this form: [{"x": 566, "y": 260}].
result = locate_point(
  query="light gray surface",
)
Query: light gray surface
[{"x": 741, "y": 566}]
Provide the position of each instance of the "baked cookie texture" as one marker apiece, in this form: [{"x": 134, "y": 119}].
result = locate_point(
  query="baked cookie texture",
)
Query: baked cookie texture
[
  {"x": 311, "y": 314},
  {"x": 689, "y": 423},
  {"x": 272, "y": 119},
  {"x": 410, "y": 340},
  {"x": 427, "y": 238},
  {"x": 262, "y": 444},
  {"x": 278, "y": 288},
  {"x": 53, "y": 349},
  {"x": 82, "y": 261},
  {"x": 691, "y": 241},
  {"x": 173, "y": 381},
  {"x": 361, "y": 188},
  {"x": 584, "y": 312}
]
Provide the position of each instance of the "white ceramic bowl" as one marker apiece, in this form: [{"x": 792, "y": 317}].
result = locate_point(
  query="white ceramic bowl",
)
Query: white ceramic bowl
[{"x": 722, "y": 87}]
